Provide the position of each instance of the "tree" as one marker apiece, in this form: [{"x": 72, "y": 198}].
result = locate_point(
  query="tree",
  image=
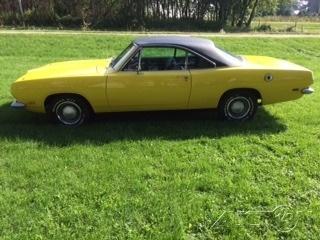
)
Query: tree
[
  {"x": 286, "y": 7},
  {"x": 174, "y": 14},
  {"x": 267, "y": 8},
  {"x": 20, "y": 7},
  {"x": 314, "y": 6}
]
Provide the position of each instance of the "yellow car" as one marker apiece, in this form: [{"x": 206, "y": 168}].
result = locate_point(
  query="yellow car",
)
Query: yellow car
[{"x": 161, "y": 73}]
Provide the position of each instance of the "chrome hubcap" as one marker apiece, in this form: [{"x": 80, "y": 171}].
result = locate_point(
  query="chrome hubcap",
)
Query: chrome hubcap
[
  {"x": 69, "y": 113},
  {"x": 238, "y": 107}
]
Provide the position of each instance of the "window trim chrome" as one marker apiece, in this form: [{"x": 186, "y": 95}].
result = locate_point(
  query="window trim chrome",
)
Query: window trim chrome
[{"x": 117, "y": 68}]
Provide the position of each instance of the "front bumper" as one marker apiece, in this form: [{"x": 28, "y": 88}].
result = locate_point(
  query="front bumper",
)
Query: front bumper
[
  {"x": 308, "y": 90},
  {"x": 16, "y": 104}
]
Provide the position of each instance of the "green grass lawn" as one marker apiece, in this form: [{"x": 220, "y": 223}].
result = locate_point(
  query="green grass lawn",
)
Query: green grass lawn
[
  {"x": 296, "y": 24},
  {"x": 158, "y": 175}
]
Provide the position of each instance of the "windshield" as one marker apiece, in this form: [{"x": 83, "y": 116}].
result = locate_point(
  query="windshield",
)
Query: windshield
[{"x": 121, "y": 55}]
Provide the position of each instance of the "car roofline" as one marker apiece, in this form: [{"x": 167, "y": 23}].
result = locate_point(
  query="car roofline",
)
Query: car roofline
[
  {"x": 182, "y": 46},
  {"x": 140, "y": 46},
  {"x": 202, "y": 46}
]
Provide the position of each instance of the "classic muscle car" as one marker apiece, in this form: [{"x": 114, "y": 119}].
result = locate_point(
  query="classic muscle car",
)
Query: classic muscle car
[{"x": 161, "y": 73}]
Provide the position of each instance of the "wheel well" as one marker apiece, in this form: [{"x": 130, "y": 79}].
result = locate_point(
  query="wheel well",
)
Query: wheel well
[
  {"x": 50, "y": 98},
  {"x": 253, "y": 91}
]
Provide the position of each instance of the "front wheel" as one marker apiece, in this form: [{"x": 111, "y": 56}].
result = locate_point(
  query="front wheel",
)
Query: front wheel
[
  {"x": 69, "y": 110},
  {"x": 238, "y": 106}
]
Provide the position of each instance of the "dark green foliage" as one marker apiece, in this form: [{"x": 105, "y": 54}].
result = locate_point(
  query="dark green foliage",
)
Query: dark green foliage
[
  {"x": 290, "y": 29},
  {"x": 264, "y": 28},
  {"x": 69, "y": 21},
  {"x": 182, "y": 25},
  {"x": 129, "y": 14}
]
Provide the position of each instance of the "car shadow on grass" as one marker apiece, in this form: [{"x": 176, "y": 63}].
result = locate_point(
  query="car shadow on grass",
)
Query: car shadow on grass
[{"x": 17, "y": 125}]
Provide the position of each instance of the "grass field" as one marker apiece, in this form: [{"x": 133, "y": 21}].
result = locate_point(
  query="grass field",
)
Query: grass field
[
  {"x": 305, "y": 25},
  {"x": 158, "y": 175}
]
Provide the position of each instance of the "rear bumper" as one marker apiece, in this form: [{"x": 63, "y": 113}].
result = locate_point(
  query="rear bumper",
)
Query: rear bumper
[
  {"x": 308, "y": 90},
  {"x": 16, "y": 104}
]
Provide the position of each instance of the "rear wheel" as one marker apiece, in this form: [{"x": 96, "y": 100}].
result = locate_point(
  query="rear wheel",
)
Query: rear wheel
[
  {"x": 69, "y": 110},
  {"x": 238, "y": 106}
]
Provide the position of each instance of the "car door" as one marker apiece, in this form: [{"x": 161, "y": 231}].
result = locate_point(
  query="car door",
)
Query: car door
[
  {"x": 208, "y": 81},
  {"x": 155, "y": 78}
]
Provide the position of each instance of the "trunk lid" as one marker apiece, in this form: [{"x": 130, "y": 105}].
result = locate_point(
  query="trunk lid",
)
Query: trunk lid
[{"x": 271, "y": 63}]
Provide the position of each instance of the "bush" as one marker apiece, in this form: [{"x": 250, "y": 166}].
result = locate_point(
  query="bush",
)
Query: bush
[
  {"x": 10, "y": 19},
  {"x": 291, "y": 29},
  {"x": 264, "y": 28},
  {"x": 69, "y": 21},
  {"x": 235, "y": 29},
  {"x": 182, "y": 25},
  {"x": 35, "y": 17}
]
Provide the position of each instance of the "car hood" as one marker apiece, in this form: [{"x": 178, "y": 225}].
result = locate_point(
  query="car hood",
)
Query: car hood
[
  {"x": 80, "y": 68},
  {"x": 271, "y": 63}
]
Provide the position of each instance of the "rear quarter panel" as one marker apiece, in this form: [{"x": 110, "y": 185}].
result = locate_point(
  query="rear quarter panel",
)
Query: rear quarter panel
[{"x": 208, "y": 86}]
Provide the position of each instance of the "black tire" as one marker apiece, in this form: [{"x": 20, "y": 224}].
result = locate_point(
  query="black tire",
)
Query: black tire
[
  {"x": 238, "y": 106},
  {"x": 69, "y": 110}
]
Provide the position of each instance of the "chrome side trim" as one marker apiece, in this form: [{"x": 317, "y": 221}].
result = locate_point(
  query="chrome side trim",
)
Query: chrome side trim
[
  {"x": 308, "y": 90},
  {"x": 16, "y": 104}
]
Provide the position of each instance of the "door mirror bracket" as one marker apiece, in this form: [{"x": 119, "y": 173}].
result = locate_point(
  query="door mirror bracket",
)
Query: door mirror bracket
[{"x": 138, "y": 70}]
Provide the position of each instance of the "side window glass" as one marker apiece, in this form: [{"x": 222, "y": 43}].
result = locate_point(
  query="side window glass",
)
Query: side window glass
[
  {"x": 162, "y": 59},
  {"x": 180, "y": 58},
  {"x": 157, "y": 52},
  {"x": 180, "y": 53},
  {"x": 197, "y": 62},
  {"x": 133, "y": 64}
]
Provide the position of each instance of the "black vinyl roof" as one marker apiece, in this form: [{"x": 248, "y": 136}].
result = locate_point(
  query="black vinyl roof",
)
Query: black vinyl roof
[
  {"x": 190, "y": 42},
  {"x": 204, "y": 47}
]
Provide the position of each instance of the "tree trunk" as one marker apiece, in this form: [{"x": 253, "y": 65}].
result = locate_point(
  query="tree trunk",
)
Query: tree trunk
[
  {"x": 20, "y": 7},
  {"x": 21, "y": 12},
  {"x": 243, "y": 12},
  {"x": 252, "y": 13}
]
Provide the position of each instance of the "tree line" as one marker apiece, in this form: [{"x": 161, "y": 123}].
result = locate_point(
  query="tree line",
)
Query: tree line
[{"x": 138, "y": 14}]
